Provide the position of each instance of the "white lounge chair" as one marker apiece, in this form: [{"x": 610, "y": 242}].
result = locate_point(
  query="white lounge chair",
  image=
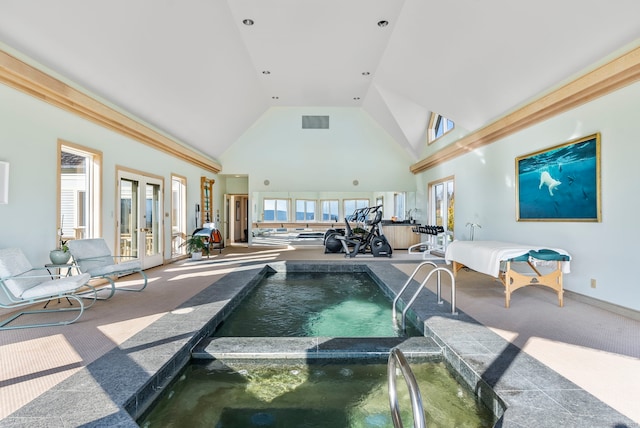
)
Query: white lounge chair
[
  {"x": 22, "y": 285},
  {"x": 93, "y": 256}
]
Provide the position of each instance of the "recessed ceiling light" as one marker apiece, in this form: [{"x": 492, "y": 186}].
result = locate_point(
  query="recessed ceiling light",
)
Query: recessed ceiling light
[
  {"x": 383, "y": 23},
  {"x": 365, "y": 73},
  {"x": 250, "y": 22},
  {"x": 266, "y": 72}
]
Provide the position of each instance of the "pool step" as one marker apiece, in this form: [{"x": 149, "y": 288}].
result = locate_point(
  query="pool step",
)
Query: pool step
[{"x": 314, "y": 347}]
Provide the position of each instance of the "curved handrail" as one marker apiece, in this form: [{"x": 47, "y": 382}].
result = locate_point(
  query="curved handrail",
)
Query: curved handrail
[
  {"x": 406, "y": 284},
  {"x": 415, "y": 296},
  {"x": 396, "y": 356}
]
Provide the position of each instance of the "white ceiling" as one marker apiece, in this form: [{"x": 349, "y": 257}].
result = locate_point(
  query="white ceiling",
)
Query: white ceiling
[{"x": 192, "y": 69}]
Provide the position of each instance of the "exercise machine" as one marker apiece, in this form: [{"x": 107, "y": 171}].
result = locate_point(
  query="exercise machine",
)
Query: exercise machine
[{"x": 360, "y": 240}]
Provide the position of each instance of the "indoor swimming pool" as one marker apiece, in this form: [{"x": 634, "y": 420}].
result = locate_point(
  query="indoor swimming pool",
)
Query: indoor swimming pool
[
  {"x": 298, "y": 394},
  {"x": 327, "y": 304},
  {"x": 273, "y": 383}
]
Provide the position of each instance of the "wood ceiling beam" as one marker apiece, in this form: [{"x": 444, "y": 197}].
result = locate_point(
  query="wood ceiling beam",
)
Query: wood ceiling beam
[
  {"x": 612, "y": 76},
  {"x": 28, "y": 79}
]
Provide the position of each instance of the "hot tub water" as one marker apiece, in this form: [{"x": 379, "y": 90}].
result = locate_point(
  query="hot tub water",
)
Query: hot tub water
[
  {"x": 314, "y": 304},
  {"x": 319, "y": 395}
]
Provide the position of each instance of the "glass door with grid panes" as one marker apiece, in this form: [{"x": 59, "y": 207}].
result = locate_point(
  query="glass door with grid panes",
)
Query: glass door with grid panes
[
  {"x": 140, "y": 218},
  {"x": 442, "y": 205}
]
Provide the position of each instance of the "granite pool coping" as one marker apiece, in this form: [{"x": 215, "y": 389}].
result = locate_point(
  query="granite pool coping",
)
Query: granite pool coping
[
  {"x": 315, "y": 348},
  {"x": 124, "y": 381},
  {"x": 503, "y": 377}
]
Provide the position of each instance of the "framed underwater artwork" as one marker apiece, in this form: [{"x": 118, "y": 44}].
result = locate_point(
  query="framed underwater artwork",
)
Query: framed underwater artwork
[{"x": 560, "y": 183}]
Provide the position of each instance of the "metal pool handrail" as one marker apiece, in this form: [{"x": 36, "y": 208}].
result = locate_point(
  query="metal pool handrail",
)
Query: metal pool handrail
[
  {"x": 397, "y": 357},
  {"x": 406, "y": 284},
  {"x": 415, "y": 296}
]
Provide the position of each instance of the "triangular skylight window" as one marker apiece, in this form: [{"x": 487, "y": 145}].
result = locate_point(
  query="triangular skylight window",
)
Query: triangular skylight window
[{"x": 438, "y": 126}]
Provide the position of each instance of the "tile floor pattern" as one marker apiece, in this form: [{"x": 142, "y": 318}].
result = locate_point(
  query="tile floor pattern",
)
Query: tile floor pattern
[{"x": 596, "y": 349}]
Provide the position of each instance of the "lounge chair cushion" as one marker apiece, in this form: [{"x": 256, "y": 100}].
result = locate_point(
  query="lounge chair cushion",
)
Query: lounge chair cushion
[
  {"x": 13, "y": 262},
  {"x": 94, "y": 257},
  {"x": 56, "y": 287},
  {"x": 26, "y": 283},
  {"x": 112, "y": 269}
]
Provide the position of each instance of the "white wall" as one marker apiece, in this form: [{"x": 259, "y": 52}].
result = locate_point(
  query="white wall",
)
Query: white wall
[
  {"x": 275, "y": 148},
  {"x": 485, "y": 194},
  {"x": 236, "y": 185},
  {"x": 321, "y": 162},
  {"x": 29, "y": 131}
]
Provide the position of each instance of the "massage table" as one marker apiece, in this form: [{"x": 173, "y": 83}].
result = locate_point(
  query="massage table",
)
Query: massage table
[{"x": 498, "y": 259}]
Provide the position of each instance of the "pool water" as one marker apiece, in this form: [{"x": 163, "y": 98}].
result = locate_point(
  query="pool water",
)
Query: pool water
[
  {"x": 329, "y": 394},
  {"x": 300, "y": 304}
]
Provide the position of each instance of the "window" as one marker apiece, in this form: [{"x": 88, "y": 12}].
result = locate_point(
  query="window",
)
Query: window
[
  {"x": 330, "y": 210},
  {"x": 276, "y": 210},
  {"x": 178, "y": 215},
  {"x": 350, "y": 205},
  {"x": 441, "y": 201},
  {"x": 79, "y": 191},
  {"x": 305, "y": 210},
  {"x": 438, "y": 126}
]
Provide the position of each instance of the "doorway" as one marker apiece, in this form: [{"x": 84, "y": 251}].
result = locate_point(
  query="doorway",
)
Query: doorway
[
  {"x": 139, "y": 217},
  {"x": 442, "y": 203},
  {"x": 236, "y": 219}
]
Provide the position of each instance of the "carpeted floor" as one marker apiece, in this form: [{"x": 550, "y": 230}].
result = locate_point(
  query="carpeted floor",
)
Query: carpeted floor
[{"x": 596, "y": 349}]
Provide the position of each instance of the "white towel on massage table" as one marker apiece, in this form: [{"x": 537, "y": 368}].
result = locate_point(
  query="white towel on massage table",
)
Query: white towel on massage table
[{"x": 485, "y": 256}]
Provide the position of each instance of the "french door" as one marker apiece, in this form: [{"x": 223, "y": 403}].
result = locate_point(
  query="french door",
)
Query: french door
[{"x": 140, "y": 217}]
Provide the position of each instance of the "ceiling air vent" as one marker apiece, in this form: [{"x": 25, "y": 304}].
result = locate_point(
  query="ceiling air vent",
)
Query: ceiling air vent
[{"x": 315, "y": 122}]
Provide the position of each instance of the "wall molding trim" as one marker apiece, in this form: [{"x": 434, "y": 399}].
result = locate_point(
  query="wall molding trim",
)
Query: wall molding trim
[
  {"x": 607, "y": 78},
  {"x": 611, "y": 307},
  {"x": 28, "y": 79}
]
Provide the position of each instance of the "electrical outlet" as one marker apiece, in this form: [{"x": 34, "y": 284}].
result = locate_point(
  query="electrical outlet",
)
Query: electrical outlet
[{"x": 593, "y": 283}]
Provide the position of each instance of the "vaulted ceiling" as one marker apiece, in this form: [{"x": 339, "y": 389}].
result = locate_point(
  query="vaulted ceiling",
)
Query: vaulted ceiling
[{"x": 199, "y": 71}]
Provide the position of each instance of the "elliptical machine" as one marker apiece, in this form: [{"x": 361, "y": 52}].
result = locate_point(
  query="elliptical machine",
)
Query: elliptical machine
[
  {"x": 331, "y": 242},
  {"x": 371, "y": 241}
]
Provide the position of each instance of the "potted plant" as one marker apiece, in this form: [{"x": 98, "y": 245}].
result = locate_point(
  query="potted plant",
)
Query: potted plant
[
  {"x": 195, "y": 246},
  {"x": 61, "y": 255}
]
